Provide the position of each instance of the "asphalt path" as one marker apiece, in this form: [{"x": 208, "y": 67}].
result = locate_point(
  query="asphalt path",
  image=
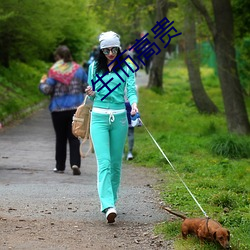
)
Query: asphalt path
[{"x": 31, "y": 190}]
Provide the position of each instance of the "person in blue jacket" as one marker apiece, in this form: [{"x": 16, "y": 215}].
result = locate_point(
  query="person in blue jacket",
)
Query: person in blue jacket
[
  {"x": 65, "y": 83},
  {"x": 109, "y": 124}
]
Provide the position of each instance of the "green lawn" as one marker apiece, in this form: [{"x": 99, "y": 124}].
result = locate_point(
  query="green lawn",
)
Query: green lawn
[{"x": 214, "y": 164}]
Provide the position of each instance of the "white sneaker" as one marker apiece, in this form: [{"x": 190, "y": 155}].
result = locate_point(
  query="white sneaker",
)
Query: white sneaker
[
  {"x": 58, "y": 171},
  {"x": 130, "y": 156},
  {"x": 111, "y": 214}
]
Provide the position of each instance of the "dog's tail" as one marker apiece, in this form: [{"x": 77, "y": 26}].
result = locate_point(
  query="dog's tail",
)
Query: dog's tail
[{"x": 175, "y": 213}]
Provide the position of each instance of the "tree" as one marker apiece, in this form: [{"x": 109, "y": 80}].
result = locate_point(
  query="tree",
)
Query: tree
[
  {"x": 28, "y": 33},
  {"x": 201, "y": 99},
  {"x": 223, "y": 37},
  {"x": 156, "y": 71},
  {"x": 129, "y": 19},
  {"x": 23, "y": 33}
]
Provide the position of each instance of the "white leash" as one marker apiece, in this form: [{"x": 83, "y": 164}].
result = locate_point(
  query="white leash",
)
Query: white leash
[{"x": 174, "y": 169}]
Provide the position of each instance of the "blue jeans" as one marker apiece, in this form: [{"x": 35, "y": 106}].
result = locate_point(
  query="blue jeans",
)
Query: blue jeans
[{"x": 108, "y": 139}]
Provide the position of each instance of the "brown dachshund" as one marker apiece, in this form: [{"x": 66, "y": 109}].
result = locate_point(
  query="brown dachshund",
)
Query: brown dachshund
[{"x": 204, "y": 229}]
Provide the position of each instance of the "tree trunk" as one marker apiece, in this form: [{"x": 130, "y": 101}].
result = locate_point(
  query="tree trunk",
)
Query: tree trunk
[
  {"x": 201, "y": 99},
  {"x": 223, "y": 37},
  {"x": 235, "y": 109},
  {"x": 156, "y": 71}
]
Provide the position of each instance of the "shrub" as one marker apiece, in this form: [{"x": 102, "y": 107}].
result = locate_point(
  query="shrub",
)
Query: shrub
[
  {"x": 231, "y": 146},
  {"x": 223, "y": 200}
]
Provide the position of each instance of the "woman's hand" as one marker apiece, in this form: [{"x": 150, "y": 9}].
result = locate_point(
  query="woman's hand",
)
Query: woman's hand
[
  {"x": 134, "y": 109},
  {"x": 89, "y": 91}
]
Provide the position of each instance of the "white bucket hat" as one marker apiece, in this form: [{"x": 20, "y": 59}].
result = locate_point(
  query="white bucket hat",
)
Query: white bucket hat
[{"x": 109, "y": 39}]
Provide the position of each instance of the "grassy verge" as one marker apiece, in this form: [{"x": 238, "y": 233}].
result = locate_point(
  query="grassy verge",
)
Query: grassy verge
[
  {"x": 213, "y": 164},
  {"x": 19, "y": 88}
]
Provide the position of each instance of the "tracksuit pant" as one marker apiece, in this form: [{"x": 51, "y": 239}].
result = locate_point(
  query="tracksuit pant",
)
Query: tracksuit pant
[{"x": 108, "y": 133}]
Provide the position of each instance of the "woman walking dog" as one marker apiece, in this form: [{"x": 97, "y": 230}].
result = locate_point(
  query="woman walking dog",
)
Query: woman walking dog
[{"x": 109, "y": 123}]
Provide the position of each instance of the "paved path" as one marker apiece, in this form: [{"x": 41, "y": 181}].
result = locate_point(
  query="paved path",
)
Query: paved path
[
  {"x": 30, "y": 190},
  {"x": 141, "y": 78},
  {"x": 26, "y": 163},
  {"x": 27, "y": 160}
]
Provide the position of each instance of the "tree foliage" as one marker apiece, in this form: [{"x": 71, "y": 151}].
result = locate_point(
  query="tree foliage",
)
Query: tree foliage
[
  {"x": 242, "y": 34},
  {"x": 32, "y": 32},
  {"x": 241, "y": 17},
  {"x": 126, "y": 17}
]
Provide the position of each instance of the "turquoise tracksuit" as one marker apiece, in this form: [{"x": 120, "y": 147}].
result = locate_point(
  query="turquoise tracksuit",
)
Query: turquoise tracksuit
[{"x": 109, "y": 129}]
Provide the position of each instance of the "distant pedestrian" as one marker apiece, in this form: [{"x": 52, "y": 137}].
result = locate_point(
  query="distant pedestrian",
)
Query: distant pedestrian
[
  {"x": 93, "y": 54},
  {"x": 109, "y": 123},
  {"x": 92, "y": 57},
  {"x": 65, "y": 84},
  {"x": 131, "y": 130}
]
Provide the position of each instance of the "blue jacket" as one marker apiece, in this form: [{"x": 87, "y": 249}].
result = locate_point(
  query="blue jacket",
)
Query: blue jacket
[{"x": 65, "y": 97}]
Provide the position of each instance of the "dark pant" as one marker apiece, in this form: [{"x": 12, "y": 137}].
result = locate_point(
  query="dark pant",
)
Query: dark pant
[
  {"x": 62, "y": 122},
  {"x": 130, "y": 129},
  {"x": 130, "y": 139}
]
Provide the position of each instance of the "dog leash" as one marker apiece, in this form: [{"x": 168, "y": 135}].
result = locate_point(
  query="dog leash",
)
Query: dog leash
[{"x": 174, "y": 170}]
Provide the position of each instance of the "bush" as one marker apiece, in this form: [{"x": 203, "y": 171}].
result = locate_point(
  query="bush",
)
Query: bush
[
  {"x": 231, "y": 146},
  {"x": 19, "y": 88},
  {"x": 224, "y": 200}
]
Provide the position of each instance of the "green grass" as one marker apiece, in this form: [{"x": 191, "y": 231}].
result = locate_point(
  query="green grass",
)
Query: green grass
[
  {"x": 19, "y": 88},
  {"x": 214, "y": 164}
]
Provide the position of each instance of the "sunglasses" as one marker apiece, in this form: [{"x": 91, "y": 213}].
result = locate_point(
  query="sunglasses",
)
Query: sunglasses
[{"x": 107, "y": 51}]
